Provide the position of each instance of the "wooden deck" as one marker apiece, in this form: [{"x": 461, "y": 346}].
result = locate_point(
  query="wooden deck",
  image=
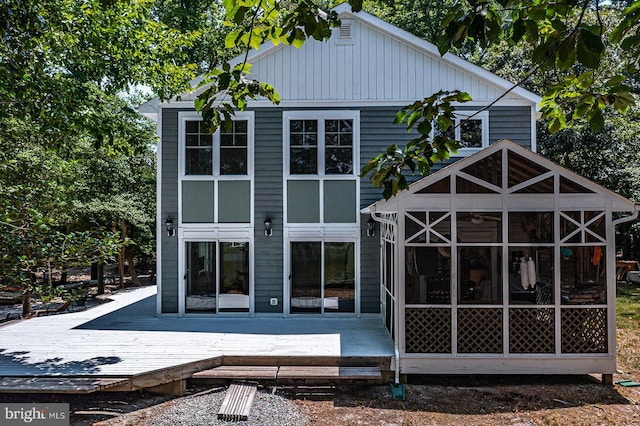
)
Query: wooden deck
[{"x": 124, "y": 339}]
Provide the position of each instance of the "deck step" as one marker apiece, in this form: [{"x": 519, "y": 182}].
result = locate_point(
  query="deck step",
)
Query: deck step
[
  {"x": 329, "y": 373},
  {"x": 289, "y": 372},
  {"x": 246, "y": 372},
  {"x": 66, "y": 385},
  {"x": 238, "y": 401}
]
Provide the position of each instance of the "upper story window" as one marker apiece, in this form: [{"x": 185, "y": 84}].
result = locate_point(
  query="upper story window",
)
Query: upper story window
[
  {"x": 198, "y": 149},
  {"x": 321, "y": 143},
  {"x": 471, "y": 131},
  {"x": 225, "y": 152},
  {"x": 215, "y": 170},
  {"x": 320, "y": 152}
]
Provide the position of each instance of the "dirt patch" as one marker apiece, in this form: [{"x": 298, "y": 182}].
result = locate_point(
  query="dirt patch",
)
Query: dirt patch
[
  {"x": 431, "y": 400},
  {"x": 491, "y": 400},
  {"x": 478, "y": 401}
]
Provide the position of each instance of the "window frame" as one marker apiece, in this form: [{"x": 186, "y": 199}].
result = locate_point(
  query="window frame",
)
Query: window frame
[
  {"x": 323, "y": 240},
  {"x": 461, "y": 115},
  {"x": 183, "y": 117},
  {"x": 321, "y": 116},
  {"x": 216, "y": 178},
  {"x": 321, "y": 179},
  {"x": 217, "y": 240}
]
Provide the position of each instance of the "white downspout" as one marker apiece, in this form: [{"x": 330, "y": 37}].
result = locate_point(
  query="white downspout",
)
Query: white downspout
[
  {"x": 634, "y": 216},
  {"x": 396, "y": 311}
]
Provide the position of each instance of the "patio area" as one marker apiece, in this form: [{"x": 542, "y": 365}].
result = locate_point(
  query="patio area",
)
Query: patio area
[{"x": 124, "y": 338}]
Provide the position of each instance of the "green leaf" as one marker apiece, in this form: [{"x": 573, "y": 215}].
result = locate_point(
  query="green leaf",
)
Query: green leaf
[
  {"x": 615, "y": 80},
  {"x": 229, "y": 4},
  {"x": 596, "y": 120},
  {"x": 517, "y": 30},
  {"x": 424, "y": 128},
  {"x": 400, "y": 116},
  {"x": 413, "y": 118},
  {"x": 630, "y": 43},
  {"x": 356, "y": 5},
  {"x": 230, "y": 40},
  {"x": 463, "y": 97},
  {"x": 566, "y": 49},
  {"x": 589, "y": 48},
  {"x": 623, "y": 101}
]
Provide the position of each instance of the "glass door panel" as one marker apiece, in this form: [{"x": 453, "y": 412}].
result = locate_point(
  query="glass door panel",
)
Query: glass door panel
[
  {"x": 339, "y": 277},
  {"x": 306, "y": 277},
  {"x": 201, "y": 277},
  {"x": 234, "y": 277}
]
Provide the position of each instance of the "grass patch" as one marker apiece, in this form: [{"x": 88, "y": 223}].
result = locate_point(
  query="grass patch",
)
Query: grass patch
[{"x": 628, "y": 306}]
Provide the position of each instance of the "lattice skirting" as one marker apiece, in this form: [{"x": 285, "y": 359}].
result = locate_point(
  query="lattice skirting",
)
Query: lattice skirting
[
  {"x": 428, "y": 330},
  {"x": 480, "y": 331},
  {"x": 584, "y": 330},
  {"x": 531, "y": 331}
]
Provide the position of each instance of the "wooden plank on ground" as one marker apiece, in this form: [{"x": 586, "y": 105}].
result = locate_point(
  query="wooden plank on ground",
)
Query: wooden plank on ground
[
  {"x": 238, "y": 401},
  {"x": 329, "y": 373},
  {"x": 238, "y": 372},
  {"x": 67, "y": 385}
]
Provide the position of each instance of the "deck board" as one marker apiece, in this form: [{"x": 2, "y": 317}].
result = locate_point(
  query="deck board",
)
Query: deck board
[
  {"x": 57, "y": 384},
  {"x": 125, "y": 338},
  {"x": 239, "y": 372},
  {"x": 238, "y": 401},
  {"x": 329, "y": 373}
]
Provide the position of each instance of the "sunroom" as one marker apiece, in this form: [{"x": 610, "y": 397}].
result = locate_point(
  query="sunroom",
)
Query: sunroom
[{"x": 501, "y": 263}]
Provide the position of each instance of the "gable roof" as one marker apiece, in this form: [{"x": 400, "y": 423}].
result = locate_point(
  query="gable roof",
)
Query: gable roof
[
  {"x": 533, "y": 173},
  {"x": 367, "y": 62}
]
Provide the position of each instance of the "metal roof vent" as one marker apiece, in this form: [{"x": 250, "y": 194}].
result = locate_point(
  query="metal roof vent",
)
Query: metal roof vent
[{"x": 345, "y": 32}]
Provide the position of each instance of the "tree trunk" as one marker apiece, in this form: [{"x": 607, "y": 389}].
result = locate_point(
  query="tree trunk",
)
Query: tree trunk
[
  {"x": 26, "y": 300},
  {"x": 121, "y": 255},
  {"x": 132, "y": 270},
  {"x": 100, "y": 277},
  {"x": 94, "y": 271}
]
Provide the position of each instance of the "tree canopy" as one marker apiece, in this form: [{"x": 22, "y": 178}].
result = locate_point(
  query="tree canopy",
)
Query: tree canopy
[
  {"x": 71, "y": 145},
  {"x": 569, "y": 39}
]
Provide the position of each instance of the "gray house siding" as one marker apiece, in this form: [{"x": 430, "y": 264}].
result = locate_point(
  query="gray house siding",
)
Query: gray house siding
[
  {"x": 512, "y": 123},
  {"x": 377, "y": 132},
  {"x": 369, "y": 270},
  {"x": 169, "y": 207},
  {"x": 268, "y": 202}
]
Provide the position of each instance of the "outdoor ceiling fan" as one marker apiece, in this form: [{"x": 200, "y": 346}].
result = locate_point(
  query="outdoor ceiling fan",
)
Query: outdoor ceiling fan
[{"x": 478, "y": 218}]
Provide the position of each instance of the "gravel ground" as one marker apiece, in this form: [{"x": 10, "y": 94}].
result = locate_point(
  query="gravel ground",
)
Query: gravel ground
[{"x": 268, "y": 408}]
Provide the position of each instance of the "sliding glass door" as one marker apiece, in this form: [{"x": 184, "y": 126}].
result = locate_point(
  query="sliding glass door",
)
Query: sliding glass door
[
  {"x": 322, "y": 277},
  {"x": 216, "y": 277},
  {"x": 306, "y": 277}
]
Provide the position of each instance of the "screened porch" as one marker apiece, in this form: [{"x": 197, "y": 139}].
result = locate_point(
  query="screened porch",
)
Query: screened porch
[{"x": 502, "y": 262}]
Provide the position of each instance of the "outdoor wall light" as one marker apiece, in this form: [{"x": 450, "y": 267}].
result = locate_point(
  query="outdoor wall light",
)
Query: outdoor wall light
[
  {"x": 170, "y": 229},
  {"x": 268, "y": 231},
  {"x": 371, "y": 227}
]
